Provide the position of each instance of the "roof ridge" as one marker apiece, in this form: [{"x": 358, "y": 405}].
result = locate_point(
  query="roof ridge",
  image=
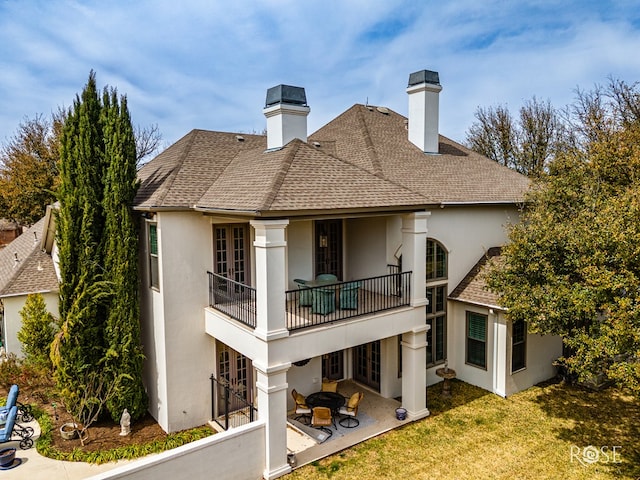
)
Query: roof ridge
[
  {"x": 278, "y": 179},
  {"x": 371, "y": 151},
  {"x": 179, "y": 163}
]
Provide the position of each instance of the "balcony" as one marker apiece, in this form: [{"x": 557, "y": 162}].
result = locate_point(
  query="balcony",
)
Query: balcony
[{"x": 312, "y": 305}]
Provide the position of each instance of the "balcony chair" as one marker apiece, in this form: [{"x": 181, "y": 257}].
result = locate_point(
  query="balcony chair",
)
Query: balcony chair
[
  {"x": 305, "y": 299},
  {"x": 327, "y": 277},
  {"x": 350, "y": 411},
  {"x": 324, "y": 299},
  {"x": 349, "y": 295},
  {"x": 6, "y": 432},
  {"x": 302, "y": 411},
  {"x": 321, "y": 419}
]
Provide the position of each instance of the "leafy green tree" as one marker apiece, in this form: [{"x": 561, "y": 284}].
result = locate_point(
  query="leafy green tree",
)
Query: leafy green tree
[
  {"x": 124, "y": 357},
  {"x": 37, "y": 331},
  {"x": 572, "y": 267},
  {"x": 28, "y": 169}
]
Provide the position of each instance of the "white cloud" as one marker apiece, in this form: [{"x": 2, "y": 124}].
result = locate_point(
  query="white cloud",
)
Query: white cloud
[{"x": 207, "y": 64}]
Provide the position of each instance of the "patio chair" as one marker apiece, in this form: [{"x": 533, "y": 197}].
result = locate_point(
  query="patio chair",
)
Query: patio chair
[
  {"x": 6, "y": 432},
  {"x": 329, "y": 385},
  {"x": 350, "y": 411},
  {"x": 349, "y": 295},
  {"x": 321, "y": 419},
  {"x": 302, "y": 411},
  {"x": 305, "y": 299},
  {"x": 12, "y": 398},
  {"x": 24, "y": 411}
]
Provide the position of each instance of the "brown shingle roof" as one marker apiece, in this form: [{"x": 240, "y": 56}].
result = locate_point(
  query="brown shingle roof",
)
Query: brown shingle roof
[
  {"x": 361, "y": 160},
  {"x": 33, "y": 272},
  {"x": 379, "y": 143},
  {"x": 473, "y": 288}
]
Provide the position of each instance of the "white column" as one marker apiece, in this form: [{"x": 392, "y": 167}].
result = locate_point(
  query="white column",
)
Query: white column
[
  {"x": 500, "y": 348},
  {"x": 414, "y": 377},
  {"x": 272, "y": 408},
  {"x": 270, "y": 253},
  {"x": 414, "y": 254}
]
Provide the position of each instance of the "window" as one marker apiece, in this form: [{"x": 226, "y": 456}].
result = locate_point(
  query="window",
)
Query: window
[
  {"x": 436, "y": 276},
  {"x": 518, "y": 346},
  {"x": 477, "y": 339},
  {"x": 154, "y": 278},
  {"x": 436, "y": 260},
  {"x": 437, "y": 319}
]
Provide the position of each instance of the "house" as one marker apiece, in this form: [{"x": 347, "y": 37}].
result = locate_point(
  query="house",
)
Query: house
[
  {"x": 26, "y": 266},
  {"x": 9, "y": 231},
  {"x": 237, "y": 227}
]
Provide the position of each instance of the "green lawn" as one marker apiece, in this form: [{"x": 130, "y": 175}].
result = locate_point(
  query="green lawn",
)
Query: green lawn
[{"x": 546, "y": 432}]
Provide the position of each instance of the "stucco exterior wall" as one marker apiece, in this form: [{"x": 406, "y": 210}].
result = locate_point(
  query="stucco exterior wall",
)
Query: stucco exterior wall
[
  {"x": 181, "y": 357},
  {"x": 237, "y": 454},
  {"x": 467, "y": 233}
]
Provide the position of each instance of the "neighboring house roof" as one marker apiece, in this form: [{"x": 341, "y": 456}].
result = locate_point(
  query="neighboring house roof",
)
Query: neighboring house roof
[
  {"x": 361, "y": 160},
  {"x": 33, "y": 272},
  {"x": 473, "y": 288}
]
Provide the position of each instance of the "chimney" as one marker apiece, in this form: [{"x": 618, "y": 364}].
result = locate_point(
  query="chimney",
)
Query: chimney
[
  {"x": 286, "y": 111},
  {"x": 424, "y": 90}
]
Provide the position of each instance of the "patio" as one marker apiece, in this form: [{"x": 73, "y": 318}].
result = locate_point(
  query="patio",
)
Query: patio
[{"x": 376, "y": 414}]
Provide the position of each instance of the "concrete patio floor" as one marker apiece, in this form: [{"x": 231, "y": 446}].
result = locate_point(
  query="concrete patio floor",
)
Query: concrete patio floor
[{"x": 381, "y": 410}]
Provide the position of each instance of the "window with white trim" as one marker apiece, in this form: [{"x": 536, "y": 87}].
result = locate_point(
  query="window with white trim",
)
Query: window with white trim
[
  {"x": 518, "y": 345},
  {"x": 154, "y": 273},
  {"x": 477, "y": 339},
  {"x": 436, "y": 309}
]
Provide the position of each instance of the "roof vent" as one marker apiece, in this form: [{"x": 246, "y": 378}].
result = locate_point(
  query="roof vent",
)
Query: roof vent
[
  {"x": 17, "y": 260},
  {"x": 316, "y": 144},
  {"x": 384, "y": 110},
  {"x": 240, "y": 138}
]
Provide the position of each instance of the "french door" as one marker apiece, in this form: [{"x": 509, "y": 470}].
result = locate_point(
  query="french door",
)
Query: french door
[
  {"x": 366, "y": 364},
  {"x": 328, "y": 247},
  {"x": 230, "y": 252},
  {"x": 333, "y": 365},
  {"x": 235, "y": 371}
]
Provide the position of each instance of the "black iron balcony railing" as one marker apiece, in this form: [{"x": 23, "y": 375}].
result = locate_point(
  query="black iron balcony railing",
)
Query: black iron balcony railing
[
  {"x": 311, "y": 304},
  {"x": 233, "y": 298},
  {"x": 315, "y": 303}
]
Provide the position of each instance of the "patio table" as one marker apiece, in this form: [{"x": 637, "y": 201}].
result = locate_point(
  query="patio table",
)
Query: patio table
[{"x": 331, "y": 400}]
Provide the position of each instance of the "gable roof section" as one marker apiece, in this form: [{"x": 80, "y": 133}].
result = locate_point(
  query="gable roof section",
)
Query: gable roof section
[
  {"x": 473, "y": 288},
  {"x": 34, "y": 272},
  {"x": 379, "y": 143}
]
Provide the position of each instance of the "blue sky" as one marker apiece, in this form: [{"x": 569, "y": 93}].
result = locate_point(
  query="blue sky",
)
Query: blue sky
[{"x": 208, "y": 63}]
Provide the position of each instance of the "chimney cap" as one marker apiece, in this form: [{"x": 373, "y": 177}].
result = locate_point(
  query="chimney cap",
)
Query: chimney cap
[
  {"x": 424, "y": 76},
  {"x": 286, "y": 94}
]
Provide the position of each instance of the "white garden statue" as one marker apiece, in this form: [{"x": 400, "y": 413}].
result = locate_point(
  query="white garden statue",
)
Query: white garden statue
[{"x": 125, "y": 423}]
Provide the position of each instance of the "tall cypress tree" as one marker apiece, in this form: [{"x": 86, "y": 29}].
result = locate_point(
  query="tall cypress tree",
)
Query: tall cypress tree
[
  {"x": 97, "y": 241},
  {"x": 124, "y": 356},
  {"x": 80, "y": 229}
]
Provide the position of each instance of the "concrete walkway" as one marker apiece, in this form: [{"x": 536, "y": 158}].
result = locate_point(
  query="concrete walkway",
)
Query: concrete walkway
[{"x": 36, "y": 467}]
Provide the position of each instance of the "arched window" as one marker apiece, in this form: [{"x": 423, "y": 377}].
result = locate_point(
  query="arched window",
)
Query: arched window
[
  {"x": 436, "y": 310},
  {"x": 436, "y": 261}
]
